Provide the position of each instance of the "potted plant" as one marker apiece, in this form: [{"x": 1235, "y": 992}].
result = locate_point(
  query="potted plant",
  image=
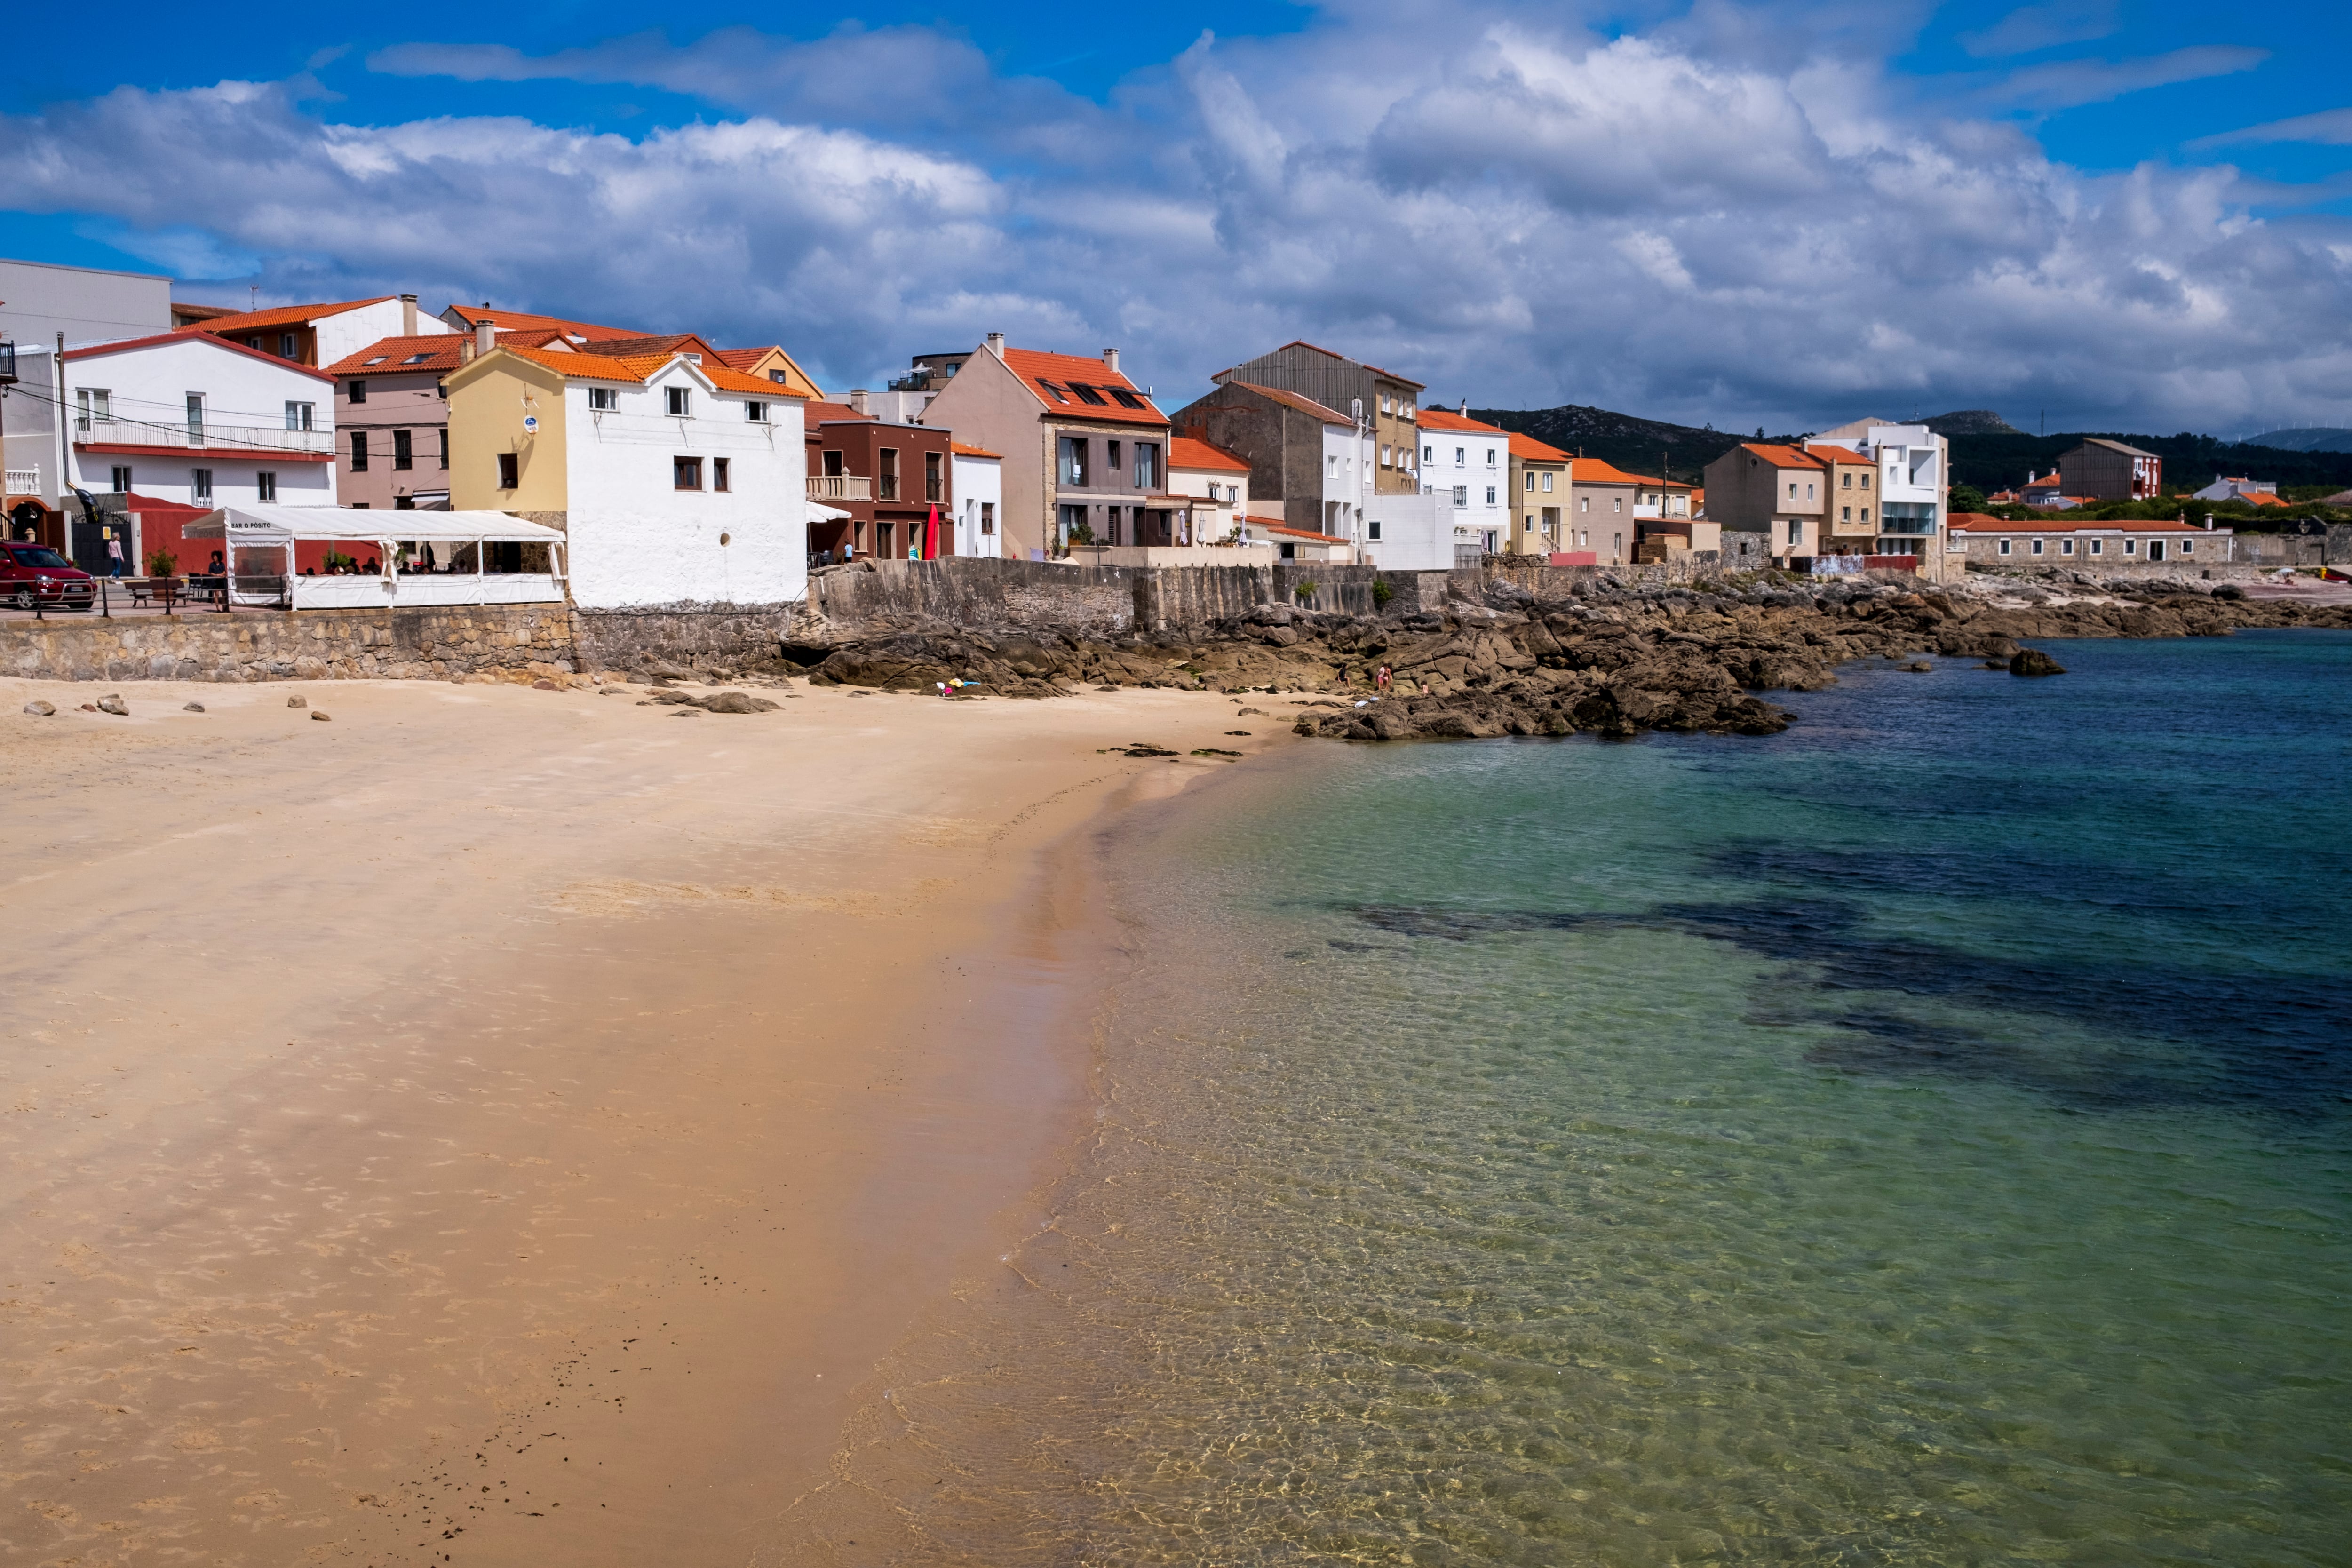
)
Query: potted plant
[{"x": 162, "y": 565}]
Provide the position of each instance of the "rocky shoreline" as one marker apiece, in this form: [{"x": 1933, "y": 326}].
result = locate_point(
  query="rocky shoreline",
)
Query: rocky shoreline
[{"x": 1610, "y": 659}]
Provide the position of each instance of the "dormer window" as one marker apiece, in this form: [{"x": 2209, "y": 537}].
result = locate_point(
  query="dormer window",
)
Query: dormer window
[
  {"x": 1126, "y": 399},
  {"x": 1089, "y": 394},
  {"x": 693, "y": 359}
]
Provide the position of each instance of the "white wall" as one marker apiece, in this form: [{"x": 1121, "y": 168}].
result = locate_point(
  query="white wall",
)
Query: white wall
[
  {"x": 1212, "y": 515},
  {"x": 635, "y": 539},
  {"x": 974, "y": 481},
  {"x": 1479, "y": 463},
  {"x": 244, "y": 430},
  {"x": 1349, "y": 461},
  {"x": 346, "y": 332},
  {"x": 1416, "y": 531}
]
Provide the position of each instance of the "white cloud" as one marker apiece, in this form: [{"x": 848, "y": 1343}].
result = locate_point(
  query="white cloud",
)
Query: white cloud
[
  {"x": 2032, "y": 27},
  {"x": 2068, "y": 84},
  {"x": 1509, "y": 209},
  {"x": 2329, "y": 128}
]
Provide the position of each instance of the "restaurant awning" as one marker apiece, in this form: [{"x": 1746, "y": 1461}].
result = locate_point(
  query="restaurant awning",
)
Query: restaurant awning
[{"x": 284, "y": 525}]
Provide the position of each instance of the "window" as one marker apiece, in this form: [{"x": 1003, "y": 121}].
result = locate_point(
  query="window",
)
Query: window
[
  {"x": 833, "y": 468},
  {"x": 1387, "y": 456},
  {"x": 886, "y": 483},
  {"x": 603, "y": 399},
  {"x": 685, "y": 473},
  {"x": 95, "y": 407},
  {"x": 1616, "y": 503},
  {"x": 2099, "y": 546},
  {"x": 1374, "y": 528},
  {"x": 445, "y": 446},
  {"x": 1584, "y": 503},
  {"x": 2131, "y": 546},
  {"x": 403, "y": 453},
  {"x": 1330, "y": 464},
  {"x": 2037, "y": 547},
  {"x": 287, "y": 345},
  {"x": 1792, "y": 489},
  {"x": 1461, "y": 456},
  {"x": 253, "y": 342},
  {"x": 681, "y": 400},
  {"x": 355, "y": 392},
  {"x": 1112, "y": 455},
  {"x": 1461, "y": 495},
  {"x": 358, "y": 452},
  {"x": 2004, "y": 547},
  {"x": 404, "y": 503},
  {"x": 1809, "y": 490},
  {"x": 720, "y": 479},
  {"x": 1866, "y": 514},
  {"x": 1126, "y": 399},
  {"x": 1071, "y": 460},
  {"x": 1845, "y": 481},
  {"x": 1385, "y": 404},
  {"x": 1405, "y": 412},
  {"x": 416, "y": 359},
  {"x": 1845, "y": 514},
  {"x": 2065, "y": 547},
  {"x": 777, "y": 376},
  {"x": 265, "y": 487},
  {"x": 1490, "y": 495},
  {"x": 1547, "y": 478},
  {"x": 1056, "y": 393},
  {"x": 1491, "y": 452},
  {"x": 301, "y": 416},
  {"x": 200, "y": 486},
  {"x": 196, "y": 417},
  {"x": 378, "y": 359},
  {"x": 1865, "y": 482},
  {"x": 988, "y": 517},
  {"x": 756, "y": 411},
  {"x": 1796, "y": 532},
  {"x": 510, "y": 470},
  {"x": 441, "y": 390},
  {"x": 934, "y": 481},
  {"x": 121, "y": 481},
  {"x": 1090, "y": 396},
  {"x": 2187, "y": 547},
  {"x": 1147, "y": 464}
]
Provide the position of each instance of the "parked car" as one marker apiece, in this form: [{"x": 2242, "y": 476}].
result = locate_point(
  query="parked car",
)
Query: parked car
[{"x": 35, "y": 573}]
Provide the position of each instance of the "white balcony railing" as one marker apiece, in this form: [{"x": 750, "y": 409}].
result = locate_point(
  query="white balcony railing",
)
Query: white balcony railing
[
  {"x": 209, "y": 437},
  {"x": 24, "y": 481},
  {"x": 840, "y": 486}
]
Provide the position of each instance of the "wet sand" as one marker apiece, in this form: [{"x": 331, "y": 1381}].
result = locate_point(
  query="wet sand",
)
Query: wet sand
[{"x": 506, "y": 1126}]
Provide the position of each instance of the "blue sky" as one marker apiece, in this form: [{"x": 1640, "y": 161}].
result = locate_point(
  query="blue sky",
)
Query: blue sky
[{"x": 2136, "y": 215}]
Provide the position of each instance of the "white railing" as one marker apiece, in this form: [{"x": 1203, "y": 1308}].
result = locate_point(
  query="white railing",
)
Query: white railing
[
  {"x": 209, "y": 437},
  {"x": 367, "y": 590},
  {"x": 840, "y": 486},
  {"x": 24, "y": 481}
]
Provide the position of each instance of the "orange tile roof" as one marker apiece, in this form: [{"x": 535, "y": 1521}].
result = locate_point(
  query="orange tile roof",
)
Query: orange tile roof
[
  {"x": 1298, "y": 400},
  {"x": 1782, "y": 456},
  {"x": 1037, "y": 369},
  {"x": 1447, "y": 420},
  {"x": 821, "y": 410},
  {"x": 520, "y": 319},
  {"x": 1839, "y": 454},
  {"x": 284, "y": 315},
  {"x": 1529, "y": 449},
  {"x": 1593, "y": 471},
  {"x": 445, "y": 351},
  {"x": 1192, "y": 452},
  {"x": 744, "y": 358},
  {"x": 2261, "y": 497},
  {"x": 580, "y": 366},
  {"x": 960, "y": 450}
]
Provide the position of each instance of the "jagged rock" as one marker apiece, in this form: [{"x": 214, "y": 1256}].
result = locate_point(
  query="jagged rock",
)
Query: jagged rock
[
  {"x": 40, "y": 708},
  {"x": 737, "y": 702},
  {"x": 2034, "y": 661},
  {"x": 114, "y": 705}
]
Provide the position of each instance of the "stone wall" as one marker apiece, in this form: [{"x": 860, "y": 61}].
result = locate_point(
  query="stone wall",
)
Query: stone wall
[
  {"x": 442, "y": 642},
  {"x": 689, "y": 634}
]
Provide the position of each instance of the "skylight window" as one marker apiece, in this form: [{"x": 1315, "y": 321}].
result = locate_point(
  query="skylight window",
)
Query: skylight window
[
  {"x": 378, "y": 360},
  {"x": 412, "y": 359},
  {"x": 1058, "y": 394},
  {"x": 1126, "y": 398},
  {"x": 1088, "y": 393}
]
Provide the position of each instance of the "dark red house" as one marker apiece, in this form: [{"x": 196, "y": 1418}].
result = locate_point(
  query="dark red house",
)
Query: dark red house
[{"x": 886, "y": 476}]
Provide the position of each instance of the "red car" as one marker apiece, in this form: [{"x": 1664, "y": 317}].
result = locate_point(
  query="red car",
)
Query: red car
[{"x": 35, "y": 573}]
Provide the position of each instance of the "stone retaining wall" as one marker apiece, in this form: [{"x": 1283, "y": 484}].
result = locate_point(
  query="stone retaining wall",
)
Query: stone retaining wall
[
  {"x": 445, "y": 643},
  {"x": 687, "y": 635}
]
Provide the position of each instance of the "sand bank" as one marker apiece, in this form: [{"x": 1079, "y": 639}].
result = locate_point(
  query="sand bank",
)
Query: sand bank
[{"x": 504, "y": 1126}]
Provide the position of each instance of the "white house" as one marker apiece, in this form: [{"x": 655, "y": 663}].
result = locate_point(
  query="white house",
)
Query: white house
[
  {"x": 188, "y": 417},
  {"x": 1915, "y": 481},
  {"x": 673, "y": 482},
  {"x": 976, "y": 479},
  {"x": 320, "y": 334},
  {"x": 1470, "y": 462},
  {"x": 2225, "y": 489},
  {"x": 1347, "y": 478},
  {"x": 1216, "y": 484}
]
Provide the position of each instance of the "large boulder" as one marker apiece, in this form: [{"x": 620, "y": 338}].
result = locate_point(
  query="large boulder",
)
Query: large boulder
[{"x": 2034, "y": 661}]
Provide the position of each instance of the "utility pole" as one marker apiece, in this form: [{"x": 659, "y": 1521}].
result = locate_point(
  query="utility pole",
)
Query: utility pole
[{"x": 59, "y": 411}]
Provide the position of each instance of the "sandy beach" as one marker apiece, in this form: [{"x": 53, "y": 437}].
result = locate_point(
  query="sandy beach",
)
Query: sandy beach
[{"x": 503, "y": 1126}]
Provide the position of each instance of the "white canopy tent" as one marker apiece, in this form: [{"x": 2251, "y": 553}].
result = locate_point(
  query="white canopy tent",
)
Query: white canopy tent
[{"x": 259, "y": 545}]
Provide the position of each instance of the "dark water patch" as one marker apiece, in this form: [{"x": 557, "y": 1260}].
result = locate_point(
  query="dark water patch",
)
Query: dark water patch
[
  {"x": 2119, "y": 1077},
  {"x": 2276, "y": 1042},
  {"x": 2196, "y": 890}
]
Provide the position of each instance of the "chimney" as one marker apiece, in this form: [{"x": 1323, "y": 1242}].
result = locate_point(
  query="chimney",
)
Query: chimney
[
  {"x": 1110, "y": 360},
  {"x": 486, "y": 336},
  {"x": 858, "y": 399},
  {"x": 408, "y": 315},
  {"x": 1466, "y": 408},
  {"x": 2209, "y": 520},
  {"x": 996, "y": 345}
]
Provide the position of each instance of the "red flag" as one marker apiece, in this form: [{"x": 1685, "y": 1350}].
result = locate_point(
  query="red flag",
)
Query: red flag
[{"x": 931, "y": 536}]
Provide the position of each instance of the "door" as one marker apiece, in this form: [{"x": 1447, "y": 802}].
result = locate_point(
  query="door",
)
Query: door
[{"x": 2155, "y": 550}]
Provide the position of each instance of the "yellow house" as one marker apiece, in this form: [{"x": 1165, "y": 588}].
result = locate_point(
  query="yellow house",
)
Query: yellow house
[
  {"x": 1539, "y": 481},
  {"x": 773, "y": 366}
]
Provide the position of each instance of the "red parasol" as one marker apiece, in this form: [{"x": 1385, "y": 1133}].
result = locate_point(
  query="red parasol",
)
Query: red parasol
[{"x": 931, "y": 536}]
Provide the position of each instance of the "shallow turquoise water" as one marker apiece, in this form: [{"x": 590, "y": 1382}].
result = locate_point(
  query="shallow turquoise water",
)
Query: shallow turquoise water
[{"x": 1918, "y": 1138}]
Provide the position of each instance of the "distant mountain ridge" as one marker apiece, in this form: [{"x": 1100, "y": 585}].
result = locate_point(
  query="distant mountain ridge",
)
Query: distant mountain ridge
[
  {"x": 2306, "y": 439},
  {"x": 1969, "y": 422},
  {"x": 1625, "y": 441}
]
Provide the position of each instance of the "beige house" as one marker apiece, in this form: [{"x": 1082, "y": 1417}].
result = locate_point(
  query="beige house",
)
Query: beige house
[
  {"x": 1542, "y": 477},
  {"x": 1215, "y": 486},
  {"x": 773, "y": 364},
  {"x": 1086, "y": 451},
  {"x": 1850, "y": 520},
  {"x": 1779, "y": 490}
]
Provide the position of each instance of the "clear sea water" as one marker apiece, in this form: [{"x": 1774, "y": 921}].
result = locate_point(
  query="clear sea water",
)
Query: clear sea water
[{"x": 1923, "y": 1137}]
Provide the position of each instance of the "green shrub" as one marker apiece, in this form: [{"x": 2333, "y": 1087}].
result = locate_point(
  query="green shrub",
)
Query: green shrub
[
  {"x": 1381, "y": 592},
  {"x": 1304, "y": 592},
  {"x": 162, "y": 564}
]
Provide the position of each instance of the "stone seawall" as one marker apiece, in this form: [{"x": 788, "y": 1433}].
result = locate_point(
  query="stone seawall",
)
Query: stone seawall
[
  {"x": 517, "y": 642},
  {"x": 985, "y": 594},
  {"x": 695, "y": 635}
]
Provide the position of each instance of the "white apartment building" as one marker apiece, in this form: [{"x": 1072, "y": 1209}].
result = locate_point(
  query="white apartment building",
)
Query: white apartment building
[
  {"x": 1914, "y": 474},
  {"x": 976, "y": 479},
  {"x": 1470, "y": 462},
  {"x": 200, "y": 421},
  {"x": 673, "y": 482},
  {"x": 1347, "y": 467}
]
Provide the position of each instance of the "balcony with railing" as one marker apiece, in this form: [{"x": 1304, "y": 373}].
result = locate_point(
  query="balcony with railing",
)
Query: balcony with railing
[
  {"x": 840, "y": 486},
  {"x": 7, "y": 363},
  {"x": 26, "y": 481},
  {"x": 204, "y": 436}
]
